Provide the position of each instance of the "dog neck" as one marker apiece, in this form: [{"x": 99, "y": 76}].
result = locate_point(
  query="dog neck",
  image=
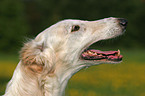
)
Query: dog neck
[
  {"x": 51, "y": 85},
  {"x": 54, "y": 85}
]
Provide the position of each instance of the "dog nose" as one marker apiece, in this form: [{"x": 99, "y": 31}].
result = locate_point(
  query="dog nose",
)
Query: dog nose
[{"x": 123, "y": 22}]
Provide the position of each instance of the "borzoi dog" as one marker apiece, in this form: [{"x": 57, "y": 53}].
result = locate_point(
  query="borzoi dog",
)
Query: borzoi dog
[{"x": 49, "y": 61}]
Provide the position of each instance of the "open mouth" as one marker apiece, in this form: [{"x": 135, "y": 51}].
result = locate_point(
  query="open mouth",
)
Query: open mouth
[
  {"x": 97, "y": 55},
  {"x": 104, "y": 56}
]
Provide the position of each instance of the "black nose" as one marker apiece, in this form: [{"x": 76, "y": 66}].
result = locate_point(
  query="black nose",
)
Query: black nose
[{"x": 123, "y": 22}]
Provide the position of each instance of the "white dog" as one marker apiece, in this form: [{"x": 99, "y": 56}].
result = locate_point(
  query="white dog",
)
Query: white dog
[{"x": 49, "y": 61}]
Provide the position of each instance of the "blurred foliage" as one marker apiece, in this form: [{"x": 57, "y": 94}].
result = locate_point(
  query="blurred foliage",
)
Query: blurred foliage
[
  {"x": 12, "y": 24},
  {"x": 26, "y": 18}
]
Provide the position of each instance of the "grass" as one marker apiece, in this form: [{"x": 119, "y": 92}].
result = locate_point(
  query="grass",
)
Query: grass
[{"x": 125, "y": 79}]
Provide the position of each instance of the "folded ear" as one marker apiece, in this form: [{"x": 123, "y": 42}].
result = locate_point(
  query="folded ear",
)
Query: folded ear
[{"x": 32, "y": 56}]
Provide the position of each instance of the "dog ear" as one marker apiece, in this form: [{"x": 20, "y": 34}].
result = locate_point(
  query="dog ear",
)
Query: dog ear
[{"x": 32, "y": 56}]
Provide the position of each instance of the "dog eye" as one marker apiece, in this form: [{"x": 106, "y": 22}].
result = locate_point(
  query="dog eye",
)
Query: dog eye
[{"x": 75, "y": 28}]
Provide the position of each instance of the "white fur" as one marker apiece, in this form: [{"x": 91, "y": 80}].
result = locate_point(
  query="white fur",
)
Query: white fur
[{"x": 50, "y": 60}]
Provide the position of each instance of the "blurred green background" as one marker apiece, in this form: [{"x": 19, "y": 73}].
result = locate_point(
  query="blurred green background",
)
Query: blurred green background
[{"x": 23, "y": 19}]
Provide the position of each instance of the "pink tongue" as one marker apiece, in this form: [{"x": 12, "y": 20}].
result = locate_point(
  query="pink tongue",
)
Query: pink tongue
[{"x": 104, "y": 52}]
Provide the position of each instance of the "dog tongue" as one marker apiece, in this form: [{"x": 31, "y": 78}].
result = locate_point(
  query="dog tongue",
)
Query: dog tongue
[{"x": 104, "y": 52}]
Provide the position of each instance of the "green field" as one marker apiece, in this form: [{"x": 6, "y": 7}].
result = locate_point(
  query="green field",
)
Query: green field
[{"x": 125, "y": 79}]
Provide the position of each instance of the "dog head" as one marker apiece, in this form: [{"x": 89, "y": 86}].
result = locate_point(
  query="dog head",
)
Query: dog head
[{"x": 62, "y": 46}]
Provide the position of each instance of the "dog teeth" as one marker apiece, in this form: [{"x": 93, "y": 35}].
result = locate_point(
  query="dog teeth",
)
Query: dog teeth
[
  {"x": 95, "y": 53},
  {"x": 92, "y": 53},
  {"x": 85, "y": 53},
  {"x": 118, "y": 53}
]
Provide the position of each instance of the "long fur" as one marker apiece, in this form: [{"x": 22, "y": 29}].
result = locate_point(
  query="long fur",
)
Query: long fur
[{"x": 48, "y": 61}]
